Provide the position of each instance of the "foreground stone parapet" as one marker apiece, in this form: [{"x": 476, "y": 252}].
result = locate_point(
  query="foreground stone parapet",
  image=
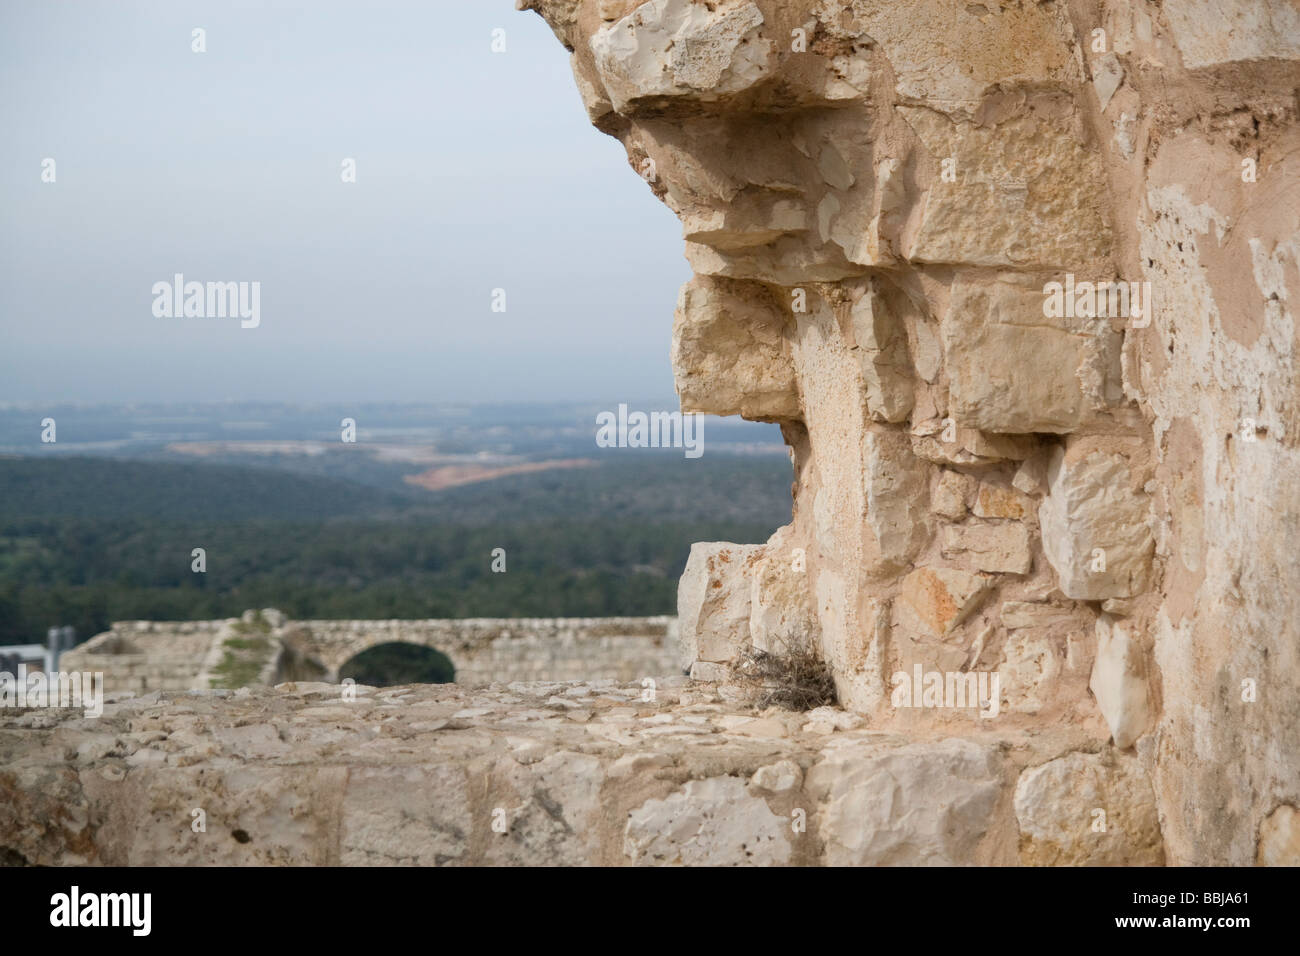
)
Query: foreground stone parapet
[{"x": 528, "y": 773}]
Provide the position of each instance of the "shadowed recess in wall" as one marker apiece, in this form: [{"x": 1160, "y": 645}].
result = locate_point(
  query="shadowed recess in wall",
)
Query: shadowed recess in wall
[{"x": 390, "y": 664}]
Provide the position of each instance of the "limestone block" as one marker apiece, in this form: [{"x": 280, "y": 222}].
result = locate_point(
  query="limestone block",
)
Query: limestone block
[
  {"x": 1119, "y": 683},
  {"x": 998, "y": 501},
  {"x": 1027, "y": 193},
  {"x": 933, "y": 601},
  {"x": 950, "y": 494},
  {"x": 713, "y": 600},
  {"x": 983, "y": 45},
  {"x": 782, "y": 616},
  {"x": 947, "y": 443},
  {"x": 1031, "y": 672},
  {"x": 594, "y": 99},
  {"x": 881, "y": 343},
  {"x": 716, "y": 822},
  {"x": 676, "y": 48},
  {"x": 728, "y": 353},
  {"x": 413, "y": 816},
  {"x": 1213, "y": 32},
  {"x": 924, "y": 804},
  {"x": 1088, "y": 810},
  {"x": 550, "y": 809},
  {"x": 1279, "y": 838},
  {"x": 780, "y": 777},
  {"x": 1010, "y": 369},
  {"x": 1017, "y": 614},
  {"x": 709, "y": 672},
  {"x": 1031, "y": 476},
  {"x": 1095, "y": 528},
  {"x": 987, "y": 546},
  {"x": 897, "y": 493}
]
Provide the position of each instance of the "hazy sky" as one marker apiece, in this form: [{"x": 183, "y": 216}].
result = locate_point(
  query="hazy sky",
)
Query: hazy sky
[{"x": 475, "y": 170}]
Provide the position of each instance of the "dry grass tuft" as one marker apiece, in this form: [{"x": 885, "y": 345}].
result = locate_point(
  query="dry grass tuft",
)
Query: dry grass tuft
[{"x": 795, "y": 678}]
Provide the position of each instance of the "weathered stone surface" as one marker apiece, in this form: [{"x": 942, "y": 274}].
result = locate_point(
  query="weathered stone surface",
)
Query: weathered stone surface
[
  {"x": 667, "y": 48},
  {"x": 404, "y": 815},
  {"x": 881, "y": 343},
  {"x": 713, "y": 822},
  {"x": 1088, "y": 810},
  {"x": 944, "y": 442},
  {"x": 951, "y": 493},
  {"x": 1012, "y": 370},
  {"x": 1219, "y": 352},
  {"x": 713, "y": 600},
  {"x": 1005, "y": 176},
  {"x": 782, "y": 616},
  {"x": 1209, "y": 32},
  {"x": 1279, "y": 838},
  {"x": 998, "y": 501},
  {"x": 444, "y": 775},
  {"x": 1096, "y": 527},
  {"x": 1033, "y": 614},
  {"x": 932, "y": 601},
  {"x": 1001, "y": 547},
  {"x": 728, "y": 351},
  {"x": 1032, "y": 671},
  {"x": 778, "y": 777},
  {"x": 897, "y": 489},
  {"x": 1119, "y": 683},
  {"x": 983, "y": 46},
  {"x": 952, "y": 790}
]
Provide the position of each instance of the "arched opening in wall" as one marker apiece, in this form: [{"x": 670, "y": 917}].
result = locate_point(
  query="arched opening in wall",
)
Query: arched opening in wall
[{"x": 386, "y": 665}]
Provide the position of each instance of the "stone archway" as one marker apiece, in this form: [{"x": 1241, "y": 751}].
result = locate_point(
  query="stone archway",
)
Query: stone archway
[{"x": 399, "y": 662}]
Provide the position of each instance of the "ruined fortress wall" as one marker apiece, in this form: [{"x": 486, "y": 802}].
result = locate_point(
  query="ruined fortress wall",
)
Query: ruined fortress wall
[
  {"x": 145, "y": 656},
  {"x": 1018, "y": 282},
  {"x": 486, "y": 650}
]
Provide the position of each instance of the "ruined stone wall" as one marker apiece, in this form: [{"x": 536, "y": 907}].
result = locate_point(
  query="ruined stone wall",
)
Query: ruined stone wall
[
  {"x": 544, "y": 774},
  {"x": 1016, "y": 281},
  {"x": 145, "y": 656},
  {"x": 485, "y": 650}
]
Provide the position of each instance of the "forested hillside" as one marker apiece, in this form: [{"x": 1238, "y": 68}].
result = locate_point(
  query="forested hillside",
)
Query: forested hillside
[{"x": 85, "y": 541}]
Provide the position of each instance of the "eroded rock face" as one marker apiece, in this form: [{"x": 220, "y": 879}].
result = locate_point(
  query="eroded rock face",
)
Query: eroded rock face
[{"x": 1018, "y": 283}]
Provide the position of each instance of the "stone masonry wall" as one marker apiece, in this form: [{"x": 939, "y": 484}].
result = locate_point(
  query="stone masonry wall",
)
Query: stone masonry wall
[
  {"x": 1017, "y": 281},
  {"x": 145, "y": 656}
]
